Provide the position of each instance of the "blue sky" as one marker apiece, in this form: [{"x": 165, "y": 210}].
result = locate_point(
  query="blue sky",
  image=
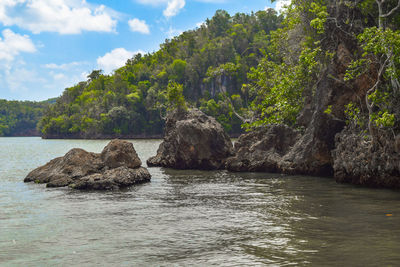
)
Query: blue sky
[{"x": 48, "y": 45}]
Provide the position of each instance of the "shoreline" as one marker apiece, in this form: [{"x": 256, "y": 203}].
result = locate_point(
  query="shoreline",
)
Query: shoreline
[{"x": 106, "y": 137}]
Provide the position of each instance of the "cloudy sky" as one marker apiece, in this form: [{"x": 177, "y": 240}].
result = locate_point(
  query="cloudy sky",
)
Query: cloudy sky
[{"x": 48, "y": 45}]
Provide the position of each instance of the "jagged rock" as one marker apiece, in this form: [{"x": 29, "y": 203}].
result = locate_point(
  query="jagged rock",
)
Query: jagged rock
[
  {"x": 120, "y": 153},
  {"x": 262, "y": 150},
  {"x": 192, "y": 140},
  {"x": 310, "y": 152},
  {"x": 358, "y": 161},
  {"x": 117, "y": 166},
  {"x": 279, "y": 148},
  {"x": 113, "y": 179},
  {"x": 76, "y": 163}
]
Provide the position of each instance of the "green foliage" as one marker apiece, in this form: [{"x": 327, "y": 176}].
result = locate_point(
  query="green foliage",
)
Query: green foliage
[
  {"x": 20, "y": 117},
  {"x": 384, "y": 119},
  {"x": 263, "y": 65},
  {"x": 321, "y": 14},
  {"x": 223, "y": 111},
  {"x": 382, "y": 42},
  {"x": 381, "y": 49},
  {"x": 95, "y": 74},
  {"x": 299, "y": 52},
  {"x": 356, "y": 68},
  {"x": 328, "y": 110},
  {"x": 195, "y": 66},
  {"x": 175, "y": 98},
  {"x": 280, "y": 92},
  {"x": 178, "y": 69},
  {"x": 354, "y": 116},
  {"x": 281, "y": 78}
]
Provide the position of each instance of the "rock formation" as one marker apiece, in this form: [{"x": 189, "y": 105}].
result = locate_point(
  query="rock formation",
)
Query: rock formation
[
  {"x": 192, "y": 140},
  {"x": 358, "y": 161},
  {"x": 117, "y": 166},
  {"x": 308, "y": 153},
  {"x": 262, "y": 150}
]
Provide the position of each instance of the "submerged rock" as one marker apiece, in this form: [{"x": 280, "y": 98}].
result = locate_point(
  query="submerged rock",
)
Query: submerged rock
[
  {"x": 192, "y": 140},
  {"x": 117, "y": 166}
]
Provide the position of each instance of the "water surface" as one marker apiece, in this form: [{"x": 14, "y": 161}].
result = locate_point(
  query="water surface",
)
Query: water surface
[{"x": 187, "y": 218}]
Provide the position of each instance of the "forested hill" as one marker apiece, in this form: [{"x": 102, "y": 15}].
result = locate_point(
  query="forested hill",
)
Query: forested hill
[
  {"x": 19, "y": 118},
  {"x": 210, "y": 65}
]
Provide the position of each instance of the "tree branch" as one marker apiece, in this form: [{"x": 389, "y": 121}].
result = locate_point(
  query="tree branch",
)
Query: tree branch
[{"x": 391, "y": 11}]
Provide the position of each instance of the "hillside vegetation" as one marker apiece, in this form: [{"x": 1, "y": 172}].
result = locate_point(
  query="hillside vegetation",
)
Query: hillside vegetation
[
  {"x": 209, "y": 63},
  {"x": 19, "y": 118},
  {"x": 328, "y": 95},
  {"x": 350, "y": 44},
  {"x": 250, "y": 71}
]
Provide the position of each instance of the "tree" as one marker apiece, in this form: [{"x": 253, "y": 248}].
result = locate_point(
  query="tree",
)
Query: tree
[
  {"x": 381, "y": 52},
  {"x": 219, "y": 23},
  {"x": 178, "y": 69},
  {"x": 175, "y": 98},
  {"x": 95, "y": 74},
  {"x": 291, "y": 67},
  {"x": 169, "y": 77}
]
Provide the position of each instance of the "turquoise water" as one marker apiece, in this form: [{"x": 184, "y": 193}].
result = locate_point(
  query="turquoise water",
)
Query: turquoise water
[{"x": 187, "y": 218}]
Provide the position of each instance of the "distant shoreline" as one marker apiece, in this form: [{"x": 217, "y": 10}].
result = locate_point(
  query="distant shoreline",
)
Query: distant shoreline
[{"x": 104, "y": 137}]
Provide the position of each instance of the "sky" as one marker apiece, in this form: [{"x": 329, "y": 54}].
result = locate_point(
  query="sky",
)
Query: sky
[{"x": 49, "y": 45}]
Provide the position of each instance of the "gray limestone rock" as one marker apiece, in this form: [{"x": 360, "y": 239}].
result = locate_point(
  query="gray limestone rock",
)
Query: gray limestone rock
[
  {"x": 116, "y": 167},
  {"x": 192, "y": 140}
]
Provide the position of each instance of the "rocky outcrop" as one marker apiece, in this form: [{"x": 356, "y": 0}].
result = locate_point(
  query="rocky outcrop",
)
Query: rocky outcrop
[
  {"x": 311, "y": 154},
  {"x": 262, "y": 150},
  {"x": 308, "y": 153},
  {"x": 192, "y": 140},
  {"x": 358, "y": 161},
  {"x": 113, "y": 179},
  {"x": 117, "y": 166},
  {"x": 120, "y": 153}
]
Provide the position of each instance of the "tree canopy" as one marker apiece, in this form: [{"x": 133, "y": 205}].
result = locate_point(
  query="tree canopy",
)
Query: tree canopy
[{"x": 205, "y": 67}]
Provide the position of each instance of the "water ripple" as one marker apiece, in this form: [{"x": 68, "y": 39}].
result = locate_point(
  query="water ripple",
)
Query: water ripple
[{"x": 189, "y": 217}]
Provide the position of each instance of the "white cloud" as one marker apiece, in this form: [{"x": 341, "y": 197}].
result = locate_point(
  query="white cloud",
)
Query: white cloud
[
  {"x": 58, "y": 76},
  {"x": 84, "y": 76},
  {"x": 115, "y": 59},
  {"x": 61, "y": 16},
  {"x": 64, "y": 66},
  {"x": 138, "y": 25},
  {"x": 280, "y": 4},
  {"x": 199, "y": 24},
  {"x": 213, "y": 1},
  {"x": 173, "y": 8},
  {"x": 12, "y": 44},
  {"x": 20, "y": 79},
  {"x": 55, "y": 82},
  {"x": 152, "y": 2},
  {"x": 173, "y": 32},
  {"x": 23, "y": 80}
]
